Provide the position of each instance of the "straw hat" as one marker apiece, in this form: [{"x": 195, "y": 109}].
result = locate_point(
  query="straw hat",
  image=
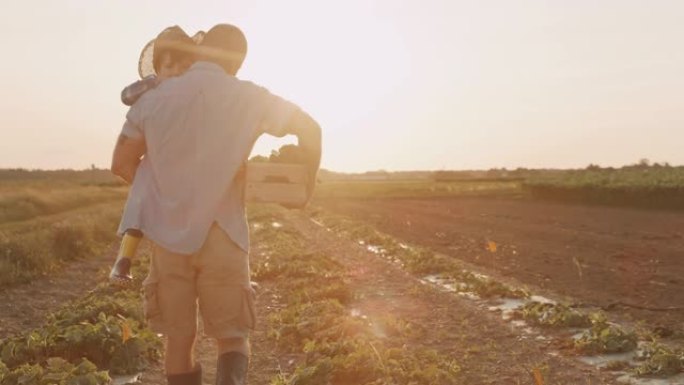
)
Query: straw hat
[
  {"x": 223, "y": 43},
  {"x": 171, "y": 38}
]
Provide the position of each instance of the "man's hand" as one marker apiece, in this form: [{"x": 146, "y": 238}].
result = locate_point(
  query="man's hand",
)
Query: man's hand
[
  {"x": 312, "y": 178},
  {"x": 126, "y": 157},
  {"x": 308, "y": 134}
]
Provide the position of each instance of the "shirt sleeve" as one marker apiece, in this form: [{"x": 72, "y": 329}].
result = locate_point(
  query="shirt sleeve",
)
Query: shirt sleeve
[
  {"x": 132, "y": 127},
  {"x": 276, "y": 112},
  {"x": 134, "y": 91}
]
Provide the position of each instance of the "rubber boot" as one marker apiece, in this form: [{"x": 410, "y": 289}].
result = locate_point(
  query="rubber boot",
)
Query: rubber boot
[
  {"x": 190, "y": 378},
  {"x": 231, "y": 369},
  {"x": 120, "y": 275}
]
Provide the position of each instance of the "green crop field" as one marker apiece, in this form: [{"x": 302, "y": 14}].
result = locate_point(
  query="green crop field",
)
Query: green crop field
[
  {"x": 639, "y": 186},
  {"x": 336, "y": 294},
  {"x": 414, "y": 188},
  {"x": 644, "y": 186}
]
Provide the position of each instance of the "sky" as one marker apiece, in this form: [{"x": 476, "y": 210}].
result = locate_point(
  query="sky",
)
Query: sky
[{"x": 395, "y": 85}]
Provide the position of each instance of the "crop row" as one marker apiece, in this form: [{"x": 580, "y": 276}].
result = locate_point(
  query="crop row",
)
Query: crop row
[
  {"x": 600, "y": 336},
  {"x": 417, "y": 260},
  {"x": 99, "y": 334},
  {"x": 650, "y": 187},
  {"x": 626, "y": 177},
  {"x": 316, "y": 322}
]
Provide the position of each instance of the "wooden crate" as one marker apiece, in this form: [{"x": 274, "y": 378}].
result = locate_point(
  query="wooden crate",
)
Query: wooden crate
[{"x": 276, "y": 183}]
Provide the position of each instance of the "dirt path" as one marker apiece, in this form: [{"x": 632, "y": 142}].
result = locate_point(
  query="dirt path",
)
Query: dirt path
[
  {"x": 593, "y": 254},
  {"x": 25, "y": 306}
]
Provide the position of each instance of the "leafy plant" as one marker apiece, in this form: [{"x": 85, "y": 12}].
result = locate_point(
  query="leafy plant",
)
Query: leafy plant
[
  {"x": 56, "y": 372},
  {"x": 339, "y": 345},
  {"x": 660, "y": 360},
  {"x": 417, "y": 260},
  {"x": 105, "y": 327},
  {"x": 556, "y": 315},
  {"x": 604, "y": 337}
]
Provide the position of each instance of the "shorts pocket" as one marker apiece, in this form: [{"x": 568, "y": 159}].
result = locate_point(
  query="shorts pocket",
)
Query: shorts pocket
[
  {"x": 151, "y": 307},
  {"x": 229, "y": 311}
]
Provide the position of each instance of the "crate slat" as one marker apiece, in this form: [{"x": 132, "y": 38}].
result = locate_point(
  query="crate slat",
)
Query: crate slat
[
  {"x": 276, "y": 172},
  {"x": 276, "y": 183}
]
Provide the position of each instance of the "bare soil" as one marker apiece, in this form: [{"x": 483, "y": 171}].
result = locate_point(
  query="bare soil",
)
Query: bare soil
[{"x": 627, "y": 260}]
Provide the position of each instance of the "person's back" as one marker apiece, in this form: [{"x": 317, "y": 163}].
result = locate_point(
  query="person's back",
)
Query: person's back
[{"x": 199, "y": 128}]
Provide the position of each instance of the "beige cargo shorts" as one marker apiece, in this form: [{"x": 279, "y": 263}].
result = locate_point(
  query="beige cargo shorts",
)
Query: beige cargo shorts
[{"x": 215, "y": 280}]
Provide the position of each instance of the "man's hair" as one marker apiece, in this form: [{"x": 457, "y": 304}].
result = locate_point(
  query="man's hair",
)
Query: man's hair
[
  {"x": 172, "y": 41},
  {"x": 226, "y": 45}
]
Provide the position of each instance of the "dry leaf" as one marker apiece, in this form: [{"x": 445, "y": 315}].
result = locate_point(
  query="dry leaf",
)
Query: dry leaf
[
  {"x": 538, "y": 378},
  {"x": 578, "y": 265},
  {"x": 125, "y": 331},
  {"x": 491, "y": 246}
]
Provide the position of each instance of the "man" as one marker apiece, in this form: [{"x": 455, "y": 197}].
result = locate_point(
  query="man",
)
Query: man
[{"x": 195, "y": 132}]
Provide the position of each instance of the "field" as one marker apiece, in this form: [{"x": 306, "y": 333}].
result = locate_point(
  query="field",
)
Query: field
[
  {"x": 659, "y": 187},
  {"x": 472, "y": 281}
]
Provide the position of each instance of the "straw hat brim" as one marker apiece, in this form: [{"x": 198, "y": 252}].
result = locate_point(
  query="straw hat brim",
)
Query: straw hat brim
[{"x": 146, "y": 60}]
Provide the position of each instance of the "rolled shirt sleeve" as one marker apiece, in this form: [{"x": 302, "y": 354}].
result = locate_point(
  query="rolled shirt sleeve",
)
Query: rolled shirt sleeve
[
  {"x": 276, "y": 113},
  {"x": 132, "y": 127}
]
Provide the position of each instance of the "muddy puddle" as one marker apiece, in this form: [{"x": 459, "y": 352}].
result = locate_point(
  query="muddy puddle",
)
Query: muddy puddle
[
  {"x": 507, "y": 307},
  {"x": 128, "y": 379}
]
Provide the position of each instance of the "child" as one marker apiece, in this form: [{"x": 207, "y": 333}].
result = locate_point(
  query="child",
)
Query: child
[{"x": 169, "y": 55}]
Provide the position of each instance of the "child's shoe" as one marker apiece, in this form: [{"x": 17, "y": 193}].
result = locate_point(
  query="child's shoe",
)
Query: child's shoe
[{"x": 120, "y": 275}]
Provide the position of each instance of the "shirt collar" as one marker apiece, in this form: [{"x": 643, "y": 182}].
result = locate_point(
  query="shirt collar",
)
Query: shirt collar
[{"x": 205, "y": 65}]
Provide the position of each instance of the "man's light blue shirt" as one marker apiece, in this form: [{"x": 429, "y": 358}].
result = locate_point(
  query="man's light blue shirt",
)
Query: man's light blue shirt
[{"x": 199, "y": 129}]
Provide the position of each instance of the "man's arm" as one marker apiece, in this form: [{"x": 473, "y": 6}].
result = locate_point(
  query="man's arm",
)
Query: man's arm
[
  {"x": 126, "y": 157},
  {"x": 308, "y": 134},
  {"x": 280, "y": 118}
]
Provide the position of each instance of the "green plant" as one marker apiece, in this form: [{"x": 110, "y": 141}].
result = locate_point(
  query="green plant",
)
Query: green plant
[
  {"x": 604, "y": 337},
  {"x": 417, "y": 260},
  {"x": 105, "y": 327},
  {"x": 339, "y": 344},
  {"x": 487, "y": 287},
  {"x": 56, "y": 372},
  {"x": 551, "y": 314},
  {"x": 660, "y": 360}
]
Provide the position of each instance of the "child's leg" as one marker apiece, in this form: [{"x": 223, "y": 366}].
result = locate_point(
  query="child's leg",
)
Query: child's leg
[
  {"x": 121, "y": 271},
  {"x": 129, "y": 243}
]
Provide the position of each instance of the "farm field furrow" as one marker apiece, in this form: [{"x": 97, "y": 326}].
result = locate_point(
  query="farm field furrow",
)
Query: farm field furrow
[
  {"x": 487, "y": 350},
  {"x": 595, "y": 255},
  {"x": 333, "y": 309},
  {"x": 376, "y": 316},
  {"x": 87, "y": 339}
]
